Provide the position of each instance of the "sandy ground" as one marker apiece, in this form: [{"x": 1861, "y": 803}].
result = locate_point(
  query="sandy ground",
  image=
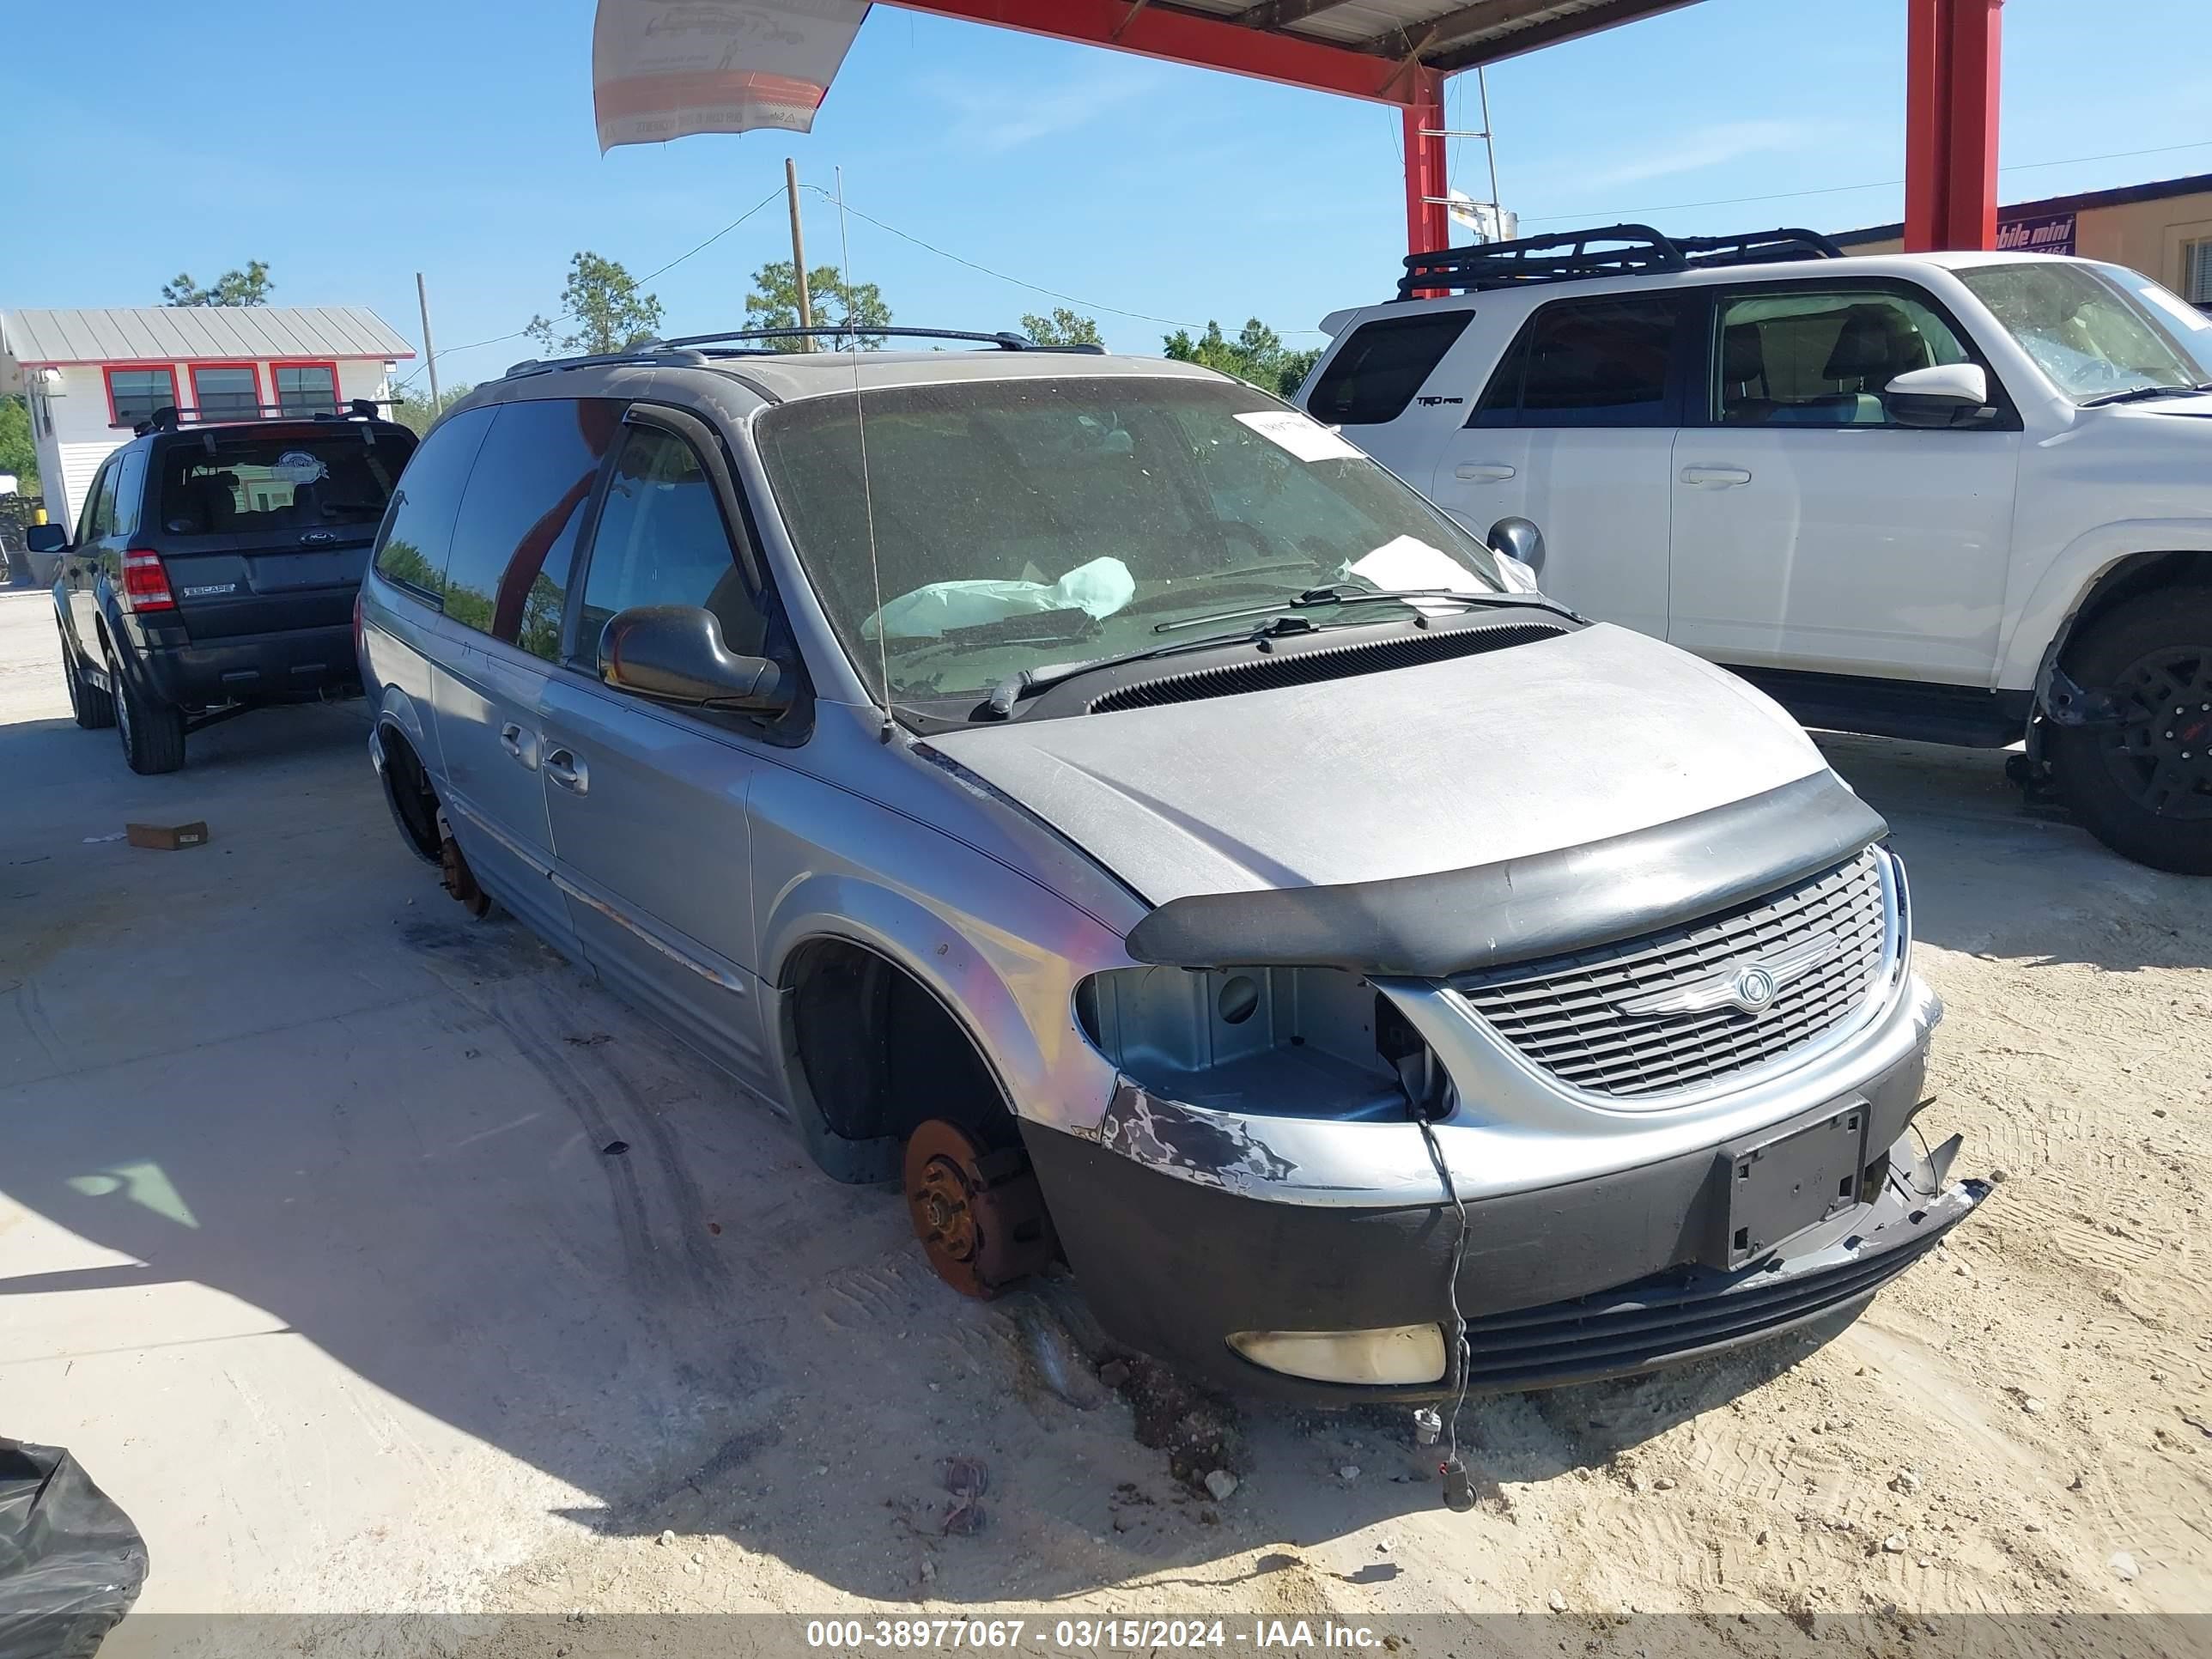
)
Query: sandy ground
[{"x": 308, "y": 1248}]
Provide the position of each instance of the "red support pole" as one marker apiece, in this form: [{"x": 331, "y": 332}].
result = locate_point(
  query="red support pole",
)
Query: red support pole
[
  {"x": 1952, "y": 61},
  {"x": 1428, "y": 221}
]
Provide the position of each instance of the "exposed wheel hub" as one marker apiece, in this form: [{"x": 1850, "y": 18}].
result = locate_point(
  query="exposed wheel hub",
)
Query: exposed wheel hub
[
  {"x": 461, "y": 881},
  {"x": 980, "y": 1215},
  {"x": 2161, "y": 753}
]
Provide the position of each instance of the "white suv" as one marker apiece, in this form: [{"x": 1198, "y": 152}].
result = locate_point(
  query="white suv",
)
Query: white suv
[{"x": 1961, "y": 497}]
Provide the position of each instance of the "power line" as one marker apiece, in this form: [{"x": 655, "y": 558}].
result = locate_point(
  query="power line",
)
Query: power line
[
  {"x": 561, "y": 315},
  {"x": 1837, "y": 190},
  {"x": 1034, "y": 287}
]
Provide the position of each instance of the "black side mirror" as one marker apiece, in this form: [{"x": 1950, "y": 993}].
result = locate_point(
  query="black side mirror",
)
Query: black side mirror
[
  {"x": 45, "y": 538},
  {"x": 674, "y": 653},
  {"x": 1518, "y": 539}
]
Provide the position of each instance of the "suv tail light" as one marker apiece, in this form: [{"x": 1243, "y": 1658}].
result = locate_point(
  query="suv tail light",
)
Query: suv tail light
[{"x": 145, "y": 583}]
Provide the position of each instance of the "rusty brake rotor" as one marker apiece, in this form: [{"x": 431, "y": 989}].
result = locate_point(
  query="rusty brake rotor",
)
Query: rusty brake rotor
[{"x": 980, "y": 1215}]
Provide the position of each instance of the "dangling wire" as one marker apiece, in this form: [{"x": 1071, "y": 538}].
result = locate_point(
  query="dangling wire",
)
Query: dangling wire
[
  {"x": 1459, "y": 1492},
  {"x": 861, "y": 427}
]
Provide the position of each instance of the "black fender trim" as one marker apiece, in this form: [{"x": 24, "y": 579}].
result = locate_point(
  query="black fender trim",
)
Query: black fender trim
[{"x": 1518, "y": 909}]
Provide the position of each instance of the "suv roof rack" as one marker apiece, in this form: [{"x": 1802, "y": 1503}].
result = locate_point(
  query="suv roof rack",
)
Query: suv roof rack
[
  {"x": 684, "y": 347},
  {"x": 169, "y": 418},
  {"x": 1605, "y": 251}
]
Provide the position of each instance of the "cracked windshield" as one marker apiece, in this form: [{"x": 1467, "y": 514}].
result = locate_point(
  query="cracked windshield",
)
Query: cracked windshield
[{"x": 1023, "y": 525}]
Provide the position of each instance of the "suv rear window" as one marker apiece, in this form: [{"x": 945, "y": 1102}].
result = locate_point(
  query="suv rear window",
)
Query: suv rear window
[
  {"x": 257, "y": 481},
  {"x": 1375, "y": 373}
]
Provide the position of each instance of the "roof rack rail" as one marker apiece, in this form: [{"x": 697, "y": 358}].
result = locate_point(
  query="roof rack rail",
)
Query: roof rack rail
[
  {"x": 1004, "y": 339},
  {"x": 1623, "y": 250},
  {"x": 754, "y": 342},
  {"x": 170, "y": 418}
]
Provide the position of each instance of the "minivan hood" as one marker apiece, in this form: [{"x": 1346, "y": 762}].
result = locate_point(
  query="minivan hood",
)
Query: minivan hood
[{"x": 1502, "y": 754}]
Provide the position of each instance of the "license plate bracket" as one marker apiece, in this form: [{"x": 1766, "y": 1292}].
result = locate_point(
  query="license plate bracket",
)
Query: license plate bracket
[{"x": 1784, "y": 1181}]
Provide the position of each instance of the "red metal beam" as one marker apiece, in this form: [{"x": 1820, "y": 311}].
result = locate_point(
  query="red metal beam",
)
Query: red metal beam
[
  {"x": 1428, "y": 221},
  {"x": 1951, "y": 77},
  {"x": 1183, "y": 37}
]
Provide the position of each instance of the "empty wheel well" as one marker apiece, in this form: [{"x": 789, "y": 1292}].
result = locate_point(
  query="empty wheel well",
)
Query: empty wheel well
[
  {"x": 407, "y": 787},
  {"x": 2140, "y": 573},
  {"x": 879, "y": 1054}
]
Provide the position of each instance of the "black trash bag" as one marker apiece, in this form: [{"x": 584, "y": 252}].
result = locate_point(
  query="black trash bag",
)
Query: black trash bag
[{"x": 71, "y": 1562}]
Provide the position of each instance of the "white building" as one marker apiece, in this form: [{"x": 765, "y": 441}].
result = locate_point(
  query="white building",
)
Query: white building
[{"x": 92, "y": 375}]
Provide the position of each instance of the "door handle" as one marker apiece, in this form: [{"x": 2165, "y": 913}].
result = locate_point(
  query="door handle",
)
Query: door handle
[
  {"x": 519, "y": 744},
  {"x": 1483, "y": 472},
  {"x": 565, "y": 769},
  {"x": 1716, "y": 477}
]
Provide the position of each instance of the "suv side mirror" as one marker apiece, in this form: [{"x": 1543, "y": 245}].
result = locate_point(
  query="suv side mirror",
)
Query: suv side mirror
[
  {"x": 674, "y": 653},
  {"x": 1944, "y": 394},
  {"x": 1518, "y": 539},
  {"x": 45, "y": 538}
]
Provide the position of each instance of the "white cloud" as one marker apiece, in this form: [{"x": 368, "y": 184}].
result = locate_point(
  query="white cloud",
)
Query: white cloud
[
  {"x": 997, "y": 117},
  {"x": 1706, "y": 147}
]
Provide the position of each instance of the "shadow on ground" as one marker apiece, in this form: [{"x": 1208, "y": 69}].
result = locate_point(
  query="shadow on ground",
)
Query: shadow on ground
[{"x": 300, "y": 1106}]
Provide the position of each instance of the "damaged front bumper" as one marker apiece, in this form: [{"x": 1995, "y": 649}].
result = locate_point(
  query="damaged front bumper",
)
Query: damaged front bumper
[
  {"x": 1556, "y": 1286},
  {"x": 1597, "y": 1245}
]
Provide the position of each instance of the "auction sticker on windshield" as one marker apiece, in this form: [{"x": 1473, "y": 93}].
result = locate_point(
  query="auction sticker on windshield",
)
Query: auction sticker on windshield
[{"x": 1305, "y": 438}]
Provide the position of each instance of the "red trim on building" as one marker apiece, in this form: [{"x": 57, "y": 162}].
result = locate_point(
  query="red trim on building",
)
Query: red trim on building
[
  {"x": 109, "y": 371},
  {"x": 276, "y": 391}
]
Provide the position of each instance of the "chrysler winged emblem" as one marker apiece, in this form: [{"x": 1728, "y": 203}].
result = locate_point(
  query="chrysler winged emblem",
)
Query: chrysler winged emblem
[{"x": 1750, "y": 987}]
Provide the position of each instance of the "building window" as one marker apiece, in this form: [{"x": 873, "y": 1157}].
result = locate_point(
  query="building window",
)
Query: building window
[
  {"x": 307, "y": 388},
  {"x": 2196, "y": 272},
  {"x": 133, "y": 394},
  {"x": 226, "y": 391}
]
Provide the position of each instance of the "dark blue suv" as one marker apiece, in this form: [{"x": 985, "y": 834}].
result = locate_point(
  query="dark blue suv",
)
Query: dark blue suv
[{"x": 213, "y": 569}]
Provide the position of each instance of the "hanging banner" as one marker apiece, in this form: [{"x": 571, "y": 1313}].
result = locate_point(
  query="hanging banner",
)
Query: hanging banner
[
  {"x": 2053, "y": 233},
  {"x": 663, "y": 68}
]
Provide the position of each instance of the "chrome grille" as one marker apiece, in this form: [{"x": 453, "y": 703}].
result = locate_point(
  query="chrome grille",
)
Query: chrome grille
[{"x": 1567, "y": 1014}]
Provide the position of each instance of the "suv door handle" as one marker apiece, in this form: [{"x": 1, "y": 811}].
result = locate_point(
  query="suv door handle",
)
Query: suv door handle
[
  {"x": 1483, "y": 472},
  {"x": 1716, "y": 477},
  {"x": 519, "y": 744},
  {"x": 565, "y": 769}
]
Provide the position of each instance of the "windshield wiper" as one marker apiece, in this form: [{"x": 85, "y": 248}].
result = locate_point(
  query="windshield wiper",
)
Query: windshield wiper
[
  {"x": 2139, "y": 393},
  {"x": 1342, "y": 593},
  {"x": 1028, "y": 681}
]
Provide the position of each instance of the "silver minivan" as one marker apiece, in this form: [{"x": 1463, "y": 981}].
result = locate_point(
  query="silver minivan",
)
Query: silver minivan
[{"x": 1089, "y": 792}]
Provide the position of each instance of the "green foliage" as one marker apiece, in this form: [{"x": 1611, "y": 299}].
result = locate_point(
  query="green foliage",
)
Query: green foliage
[
  {"x": 774, "y": 302},
  {"x": 18, "y": 453},
  {"x": 249, "y": 287},
  {"x": 602, "y": 298},
  {"x": 1257, "y": 355},
  {"x": 414, "y": 411},
  {"x": 403, "y": 562},
  {"x": 1063, "y": 328}
]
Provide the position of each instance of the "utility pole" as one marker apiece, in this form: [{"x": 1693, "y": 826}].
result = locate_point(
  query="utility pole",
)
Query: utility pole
[
  {"x": 798, "y": 253},
  {"x": 429, "y": 356}
]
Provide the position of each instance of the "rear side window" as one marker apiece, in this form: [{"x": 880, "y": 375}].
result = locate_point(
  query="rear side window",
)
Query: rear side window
[
  {"x": 246, "y": 482},
  {"x": 1589, "y": 363},
  {"x": 1375, "y": 373},
  {"x": 129, "y": 493},
  {"x": 418, "y": 530},
  {"x": 516, "y": 535}
]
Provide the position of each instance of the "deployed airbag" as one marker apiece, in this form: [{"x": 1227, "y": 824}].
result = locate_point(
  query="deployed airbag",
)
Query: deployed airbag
[
  {"x": 71, "y": 1562},
  {"x": 1101, "y": 588}
]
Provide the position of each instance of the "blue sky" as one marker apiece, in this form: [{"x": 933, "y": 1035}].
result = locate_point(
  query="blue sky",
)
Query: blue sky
[{"x": 456, "y": 139}]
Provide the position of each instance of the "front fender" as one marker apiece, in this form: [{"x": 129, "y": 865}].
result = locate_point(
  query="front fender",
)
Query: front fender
[
  {"x": 2067, "y": 581},
  {"x": 1001, "y": 952}
]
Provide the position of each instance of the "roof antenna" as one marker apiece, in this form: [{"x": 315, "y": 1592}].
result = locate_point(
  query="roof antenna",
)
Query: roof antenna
[{"x": 861, "y": 427}]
